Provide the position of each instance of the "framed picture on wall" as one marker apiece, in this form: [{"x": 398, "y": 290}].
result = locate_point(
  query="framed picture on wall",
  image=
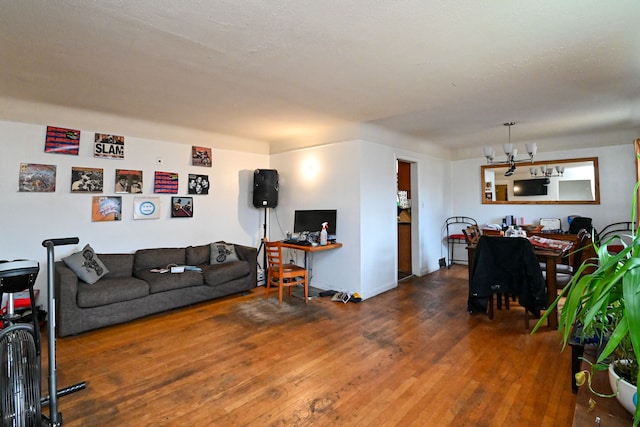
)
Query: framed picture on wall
[
  {"x": 87, "y": 180},
  {"x": 35, "y": 178},
  {"x": 198, "y": 184},
  {"x": 108, "y": 146},
  {"x": 62, "y": 141},
  {"x": 146, "y": 208},
  {"x": 181, "y": 207},
  {"x": 128, "y": 181},
  {"x": 165, "y": 182},
  {"x": 201, "y": 156},
  {"x": 106, "y": 208}
]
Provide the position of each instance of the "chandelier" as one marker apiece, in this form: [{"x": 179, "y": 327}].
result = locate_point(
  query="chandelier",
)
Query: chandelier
[
  {"x": 511, "y": 153},
  {"x": 547, "y": 171}
]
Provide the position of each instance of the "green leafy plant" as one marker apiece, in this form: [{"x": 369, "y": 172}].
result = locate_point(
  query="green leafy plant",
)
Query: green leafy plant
[{"x": 604, "y": 299}]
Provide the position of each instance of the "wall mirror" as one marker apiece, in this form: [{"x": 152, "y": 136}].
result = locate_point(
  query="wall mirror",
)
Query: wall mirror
[{"x": 569, "y": 182}]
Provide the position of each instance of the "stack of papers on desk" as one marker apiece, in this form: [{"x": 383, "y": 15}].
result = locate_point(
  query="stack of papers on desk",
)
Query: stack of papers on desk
[{"x": 550, "y": 244}]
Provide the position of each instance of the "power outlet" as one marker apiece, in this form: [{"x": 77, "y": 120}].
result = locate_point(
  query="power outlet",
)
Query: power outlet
[{"x": 442, "y": 263}]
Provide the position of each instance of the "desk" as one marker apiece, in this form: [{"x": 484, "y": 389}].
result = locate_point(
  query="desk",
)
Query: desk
[
  {"x": 310, "y": 250},
  {"x": 551, "y": 258}
]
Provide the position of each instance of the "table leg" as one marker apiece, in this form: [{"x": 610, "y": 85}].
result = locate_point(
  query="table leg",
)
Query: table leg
[
  {"x": 552, "y": 291},
  {"x": 470, "y": 254}
]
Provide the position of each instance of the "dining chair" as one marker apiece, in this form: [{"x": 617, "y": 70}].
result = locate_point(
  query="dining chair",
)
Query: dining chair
[
  {"x": 509, "y": 267},
  {"x": 471, "y": 234},
  {"x": 454, "y": 235},
  {"x": 283, "y": 275},
  {"x": 581, "y": 251},
  {"x": 616, "y": 236}
]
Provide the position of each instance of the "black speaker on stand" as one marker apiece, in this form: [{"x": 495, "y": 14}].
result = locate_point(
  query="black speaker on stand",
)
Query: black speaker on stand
[{"x": 265, "y": 195}]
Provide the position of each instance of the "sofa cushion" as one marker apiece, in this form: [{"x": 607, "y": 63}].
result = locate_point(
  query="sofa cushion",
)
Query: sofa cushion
[
  {"x": 86, "y": 265},
  {"x": 197, "y": 255},
  {"x": 160, "y": 282},
  {"x": 109, "y": 291},
  {"x": 219, "y": 274},
  {"x": 146, "y": 259},
  {"x": 119, "y": 265},
  {"x": 222, "y": 252}
]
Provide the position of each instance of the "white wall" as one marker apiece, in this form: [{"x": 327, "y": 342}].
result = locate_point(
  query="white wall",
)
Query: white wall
[
  {"x": 324, "y": 177},
  {"x": 378, "y": 218},
  {"x": 26, "y": 219},
  {"x": 617, "y": 169},
  {"x": 358, "y": 178}
]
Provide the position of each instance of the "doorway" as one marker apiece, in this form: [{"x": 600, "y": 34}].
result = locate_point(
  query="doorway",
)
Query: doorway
[
  {"x": 405, "y": 222},
  {"x": 501, "y": 193}
]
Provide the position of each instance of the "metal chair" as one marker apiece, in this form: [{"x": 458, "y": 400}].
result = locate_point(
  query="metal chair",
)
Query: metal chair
[
  {"x": 283, "y": 275},
  {"x": 453, "y": 227},
  {"x": 616, "y": 235}
]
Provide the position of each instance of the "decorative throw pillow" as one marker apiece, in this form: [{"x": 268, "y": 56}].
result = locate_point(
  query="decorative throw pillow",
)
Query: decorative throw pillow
[
  {"x": 86, "y": 265},
  {"x": 222, "y": 252}
]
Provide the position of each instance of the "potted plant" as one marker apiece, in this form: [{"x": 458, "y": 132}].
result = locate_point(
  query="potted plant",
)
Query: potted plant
[{"x": 603, "y": 299}]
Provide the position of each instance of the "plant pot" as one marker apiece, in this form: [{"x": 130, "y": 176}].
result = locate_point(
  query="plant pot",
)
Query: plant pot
[{"x": 627, "y": 393}]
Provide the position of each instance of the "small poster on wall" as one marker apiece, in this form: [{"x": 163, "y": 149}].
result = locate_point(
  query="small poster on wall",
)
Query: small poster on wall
[
  {"x": 87, "y": 180},
  {"x": 181, "y": 207},
  {"x": 35, "y": 178},
  {"x": 108, "y": 146},
  {"x": 128, "y": 181},
  {"x": 62, "y": 141},
  {"x": 106, "y": 208},
  {"x": 165, "y": 182},
  {"x": 198, "y": 184},
  {"x": 200, "y": 156},
  {"x": 146, "y": 208}
]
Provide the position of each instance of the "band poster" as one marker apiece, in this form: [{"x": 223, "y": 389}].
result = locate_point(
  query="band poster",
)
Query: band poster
[
  {"x": 165, "y": 182},
  {"x": 87, "y": 180},
  {"x": 146, "y": 208},
  {"x": 198, "y": 184},
  {"x": 128, "y": 181},
  {"x": 35, "y": 178},
  {"x": 200, "y": 156},
  {"x": 62, "y": 141},
  {"x": 108, "y": 146},
  {"x": 181, "y": 207},
  {"x": 105, "y": 208}
]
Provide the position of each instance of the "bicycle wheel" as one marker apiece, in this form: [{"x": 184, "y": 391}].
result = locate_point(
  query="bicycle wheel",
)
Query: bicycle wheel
[{"x": 19, "y": 378}]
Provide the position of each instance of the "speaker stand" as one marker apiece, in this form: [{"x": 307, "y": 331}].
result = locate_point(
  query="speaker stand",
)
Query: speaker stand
[{"x": 262, "y": 247}]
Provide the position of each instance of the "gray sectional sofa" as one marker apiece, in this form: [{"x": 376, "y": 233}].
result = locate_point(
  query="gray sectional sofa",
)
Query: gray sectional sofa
[{"x": 129, "y": 290}]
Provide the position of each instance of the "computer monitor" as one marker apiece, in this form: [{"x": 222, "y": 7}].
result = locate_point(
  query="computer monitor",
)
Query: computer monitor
[{"x": 311, "y": 220}]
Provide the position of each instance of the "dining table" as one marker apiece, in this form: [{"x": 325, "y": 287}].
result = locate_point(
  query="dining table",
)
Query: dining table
[{"x": 551, "y": 257}]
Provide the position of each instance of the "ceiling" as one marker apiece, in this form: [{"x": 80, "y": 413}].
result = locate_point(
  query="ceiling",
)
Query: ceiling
[{"x": 446, "y": 72}]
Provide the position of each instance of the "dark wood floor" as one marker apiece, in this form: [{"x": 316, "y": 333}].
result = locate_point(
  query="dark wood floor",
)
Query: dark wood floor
[{"x": 410, "y": 357}]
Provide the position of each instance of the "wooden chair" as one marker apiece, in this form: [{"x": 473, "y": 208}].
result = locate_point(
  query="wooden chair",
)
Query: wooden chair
[
  {"x": 505, "y": 267},
  {"x": 582, "y": 250},
  {"x": 471, "y": 234},
  {"x": 284, "y": 275}
]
